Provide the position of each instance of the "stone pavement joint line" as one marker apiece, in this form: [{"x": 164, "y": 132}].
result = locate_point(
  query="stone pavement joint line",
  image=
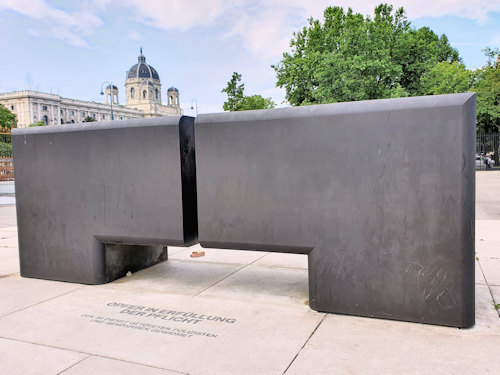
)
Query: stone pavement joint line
[
  {"x": 40, "y": 302},
  {"x": 74, "y": 364},
  {"x": 305, "y": 343},
  {"x": 239, "y": 269}
]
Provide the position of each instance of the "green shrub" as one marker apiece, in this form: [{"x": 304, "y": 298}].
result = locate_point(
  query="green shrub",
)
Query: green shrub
[{"x": 5, "y": 150}]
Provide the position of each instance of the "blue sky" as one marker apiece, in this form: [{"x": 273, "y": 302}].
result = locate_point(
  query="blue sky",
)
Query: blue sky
[{"x": 71, "y": 47}]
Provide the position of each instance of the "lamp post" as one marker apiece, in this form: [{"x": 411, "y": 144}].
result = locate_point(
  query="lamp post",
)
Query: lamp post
[
  {"x": 111, "y": 98},
  {"x": 196, "y": 103}
]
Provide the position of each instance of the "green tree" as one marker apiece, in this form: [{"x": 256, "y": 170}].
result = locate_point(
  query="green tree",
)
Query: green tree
[
  {"x": 7, "y": 118},
  {"x": 234, "y": 91},
  {"x": 237, "y": 101},
  {"x": 452, "y": 77},
  {"x": 487, "y": 87},
  {"x": 350, "y": 57},
  {"x": 447, "y": 78},
  {"x": 255, "y": 102},
  {"x": 5, "y": 150}
]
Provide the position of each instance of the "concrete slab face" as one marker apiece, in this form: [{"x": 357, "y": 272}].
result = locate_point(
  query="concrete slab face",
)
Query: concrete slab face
[
  {"x": 84, "y": 185},
  {"x": 9, "y": 261},
  {"x": 283, "y": 260},
  {"x": 488, "y": 249},
  {"x": 19, "y": 293},
  {"x": 491, "y": 270},
  {"x": 263, "y": 285},
  {"x": 7, "y": 217},
  {"x": 186, "y": 334},
  {"x": 495, "y": 291},
  {"x": 486, "y": 314},
  {"x": 353, "y": 345},
  {"x": 488, "y": 230},
  {"x": 487, "y": 204},
  {"x": 10, "y": 241},
  {"x": 98, "y": 365},
  {"x": 29, "y": 359},
  {"x": 176, "y": 277},
  {"x": 479, "y": 274},
  {"x": 363, "y": 189}
]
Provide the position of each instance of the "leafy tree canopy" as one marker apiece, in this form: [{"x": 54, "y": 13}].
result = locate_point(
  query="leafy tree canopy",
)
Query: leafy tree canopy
[
  {"x": 7, "y": 118},
  {"x": 237, "y": 101},
  {"x": 446, "y": 78},
  {"x": 350, "y": 57},
  {"x": 487, "y": 87},
  {"x": 89, "y": 119},
  {"x": 449, "y": 78}
]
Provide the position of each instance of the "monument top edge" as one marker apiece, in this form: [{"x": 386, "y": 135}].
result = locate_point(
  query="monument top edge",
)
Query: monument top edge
[
  {"x": 366, "y": 106},
  {"x": 101, "y": 125}
]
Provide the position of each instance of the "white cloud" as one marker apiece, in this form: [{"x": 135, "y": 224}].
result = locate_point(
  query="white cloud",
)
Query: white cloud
[
  {"x": 265, "y": 31},
  {"x": 267, "y": 28},
  {"x": 264, "y": 27},
  {"x": 71, "y": 27},
  {"x": 176, "y": 14},
  {"x": 473, "y": 9}
]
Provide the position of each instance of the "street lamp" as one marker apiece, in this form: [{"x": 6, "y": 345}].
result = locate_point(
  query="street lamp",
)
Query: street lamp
[
  {"x": 196, "y": 103},
  {"x": 111, "y": 96}
]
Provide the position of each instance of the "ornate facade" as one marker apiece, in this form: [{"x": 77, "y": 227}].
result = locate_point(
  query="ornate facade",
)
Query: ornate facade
[{"x": 142, "y": 95}]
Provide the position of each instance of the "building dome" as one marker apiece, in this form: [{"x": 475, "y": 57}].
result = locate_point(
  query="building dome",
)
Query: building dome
[
  {"x": 173, "y": 89},
  {"x": 142, "y": 69}
]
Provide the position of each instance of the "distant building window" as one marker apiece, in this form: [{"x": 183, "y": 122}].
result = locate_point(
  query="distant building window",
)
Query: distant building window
[
  {"x": 93, "y": 115},
  {"x": 103, "y": 117},
  {"x": 132, "y": 93},
  {"x": 45, "y": 119},
  {"x": 83, "y": 114},
  {"x": 156, "y": 93},
  {"x": 121, "y": 117},
  {"x": 44, "y": 108},
  {"x": 144, "y": 94},
  {"x": 72, "y": 113},
  {"x": 12, "y": 107},
  {"x": 62, "y": 111},
  {"x": 62, "y": 122}
]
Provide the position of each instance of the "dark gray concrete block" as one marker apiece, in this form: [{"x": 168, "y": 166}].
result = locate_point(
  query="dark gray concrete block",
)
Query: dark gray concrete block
[
  {"x": 129, "y": 185},
  {"x": 379, "y": 194}
]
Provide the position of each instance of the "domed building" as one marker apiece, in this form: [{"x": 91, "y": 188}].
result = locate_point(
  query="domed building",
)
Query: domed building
[
  {"x": 143, "y": 91},
  {"x": 143, "y": 99}
]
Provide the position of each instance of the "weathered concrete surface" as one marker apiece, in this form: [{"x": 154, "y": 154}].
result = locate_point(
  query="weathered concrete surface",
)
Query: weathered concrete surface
[
  {"x": 87, "y": 192},
  {"x": 488, "y": 205},
  {"x": 361, "y": 346},
  {"x": 30, "y": 359},
  {"x": 363, "y": 189},
  {"x": 99, "y": 365},
  {"x": 18, "y": 293},
  {"x": 248, "y": 338},
  {"x": 268, "y": 338}
]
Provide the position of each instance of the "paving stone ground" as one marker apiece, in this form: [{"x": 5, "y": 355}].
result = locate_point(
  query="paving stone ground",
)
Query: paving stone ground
[{"x": 233, "y": 312}]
